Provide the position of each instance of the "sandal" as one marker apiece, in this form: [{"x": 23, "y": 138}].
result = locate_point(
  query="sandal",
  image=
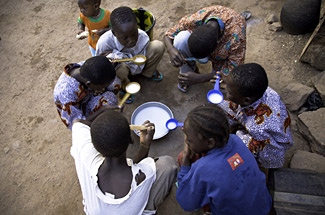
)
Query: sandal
[
  {"x": 246, "y": 14},
  {"x": 129, "y": 100},
  {"x": 183, "y": 88},
  {"x": 156, "y": 76}
]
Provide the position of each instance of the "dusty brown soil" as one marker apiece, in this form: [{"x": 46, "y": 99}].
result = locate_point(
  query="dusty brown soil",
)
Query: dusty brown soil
[{"x": 38, "y": 39}]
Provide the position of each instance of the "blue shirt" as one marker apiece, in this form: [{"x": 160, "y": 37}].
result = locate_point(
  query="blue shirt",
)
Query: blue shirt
[{"x": 228, "y": 179}]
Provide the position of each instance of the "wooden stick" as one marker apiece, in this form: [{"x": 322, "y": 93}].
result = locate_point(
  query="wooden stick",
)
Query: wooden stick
[{"x": 139, "y": 127}]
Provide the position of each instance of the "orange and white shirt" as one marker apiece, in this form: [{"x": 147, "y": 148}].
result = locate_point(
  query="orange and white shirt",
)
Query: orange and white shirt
[{"x": 94, "y": 24}]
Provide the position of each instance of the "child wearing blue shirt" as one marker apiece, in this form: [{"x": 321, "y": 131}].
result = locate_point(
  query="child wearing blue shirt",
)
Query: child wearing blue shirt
[{"x": 228, "y": 177}]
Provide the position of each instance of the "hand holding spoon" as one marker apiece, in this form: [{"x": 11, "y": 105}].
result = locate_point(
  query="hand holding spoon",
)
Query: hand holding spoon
[{"x": 215, "y": 96}]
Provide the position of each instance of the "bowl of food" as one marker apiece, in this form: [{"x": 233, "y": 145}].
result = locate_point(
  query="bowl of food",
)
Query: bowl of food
[{"x": 157, "y": 113}]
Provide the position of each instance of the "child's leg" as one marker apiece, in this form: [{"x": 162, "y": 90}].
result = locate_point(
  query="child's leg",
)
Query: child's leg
[
  {"x": 154, "y": 53},
  {"x": 122, "y": 72},
  {"x": 92, "y": 50},
  {"x": 166, "y": 171}
]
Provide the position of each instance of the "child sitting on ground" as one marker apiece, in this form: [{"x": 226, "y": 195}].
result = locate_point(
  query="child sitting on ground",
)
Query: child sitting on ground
[
  {"x": 228, "y": 177},
  {"x": 85, "y": 87},
  {"x": 95, "y": 19},
  {"x": 110, "y": 184},
  {"x": 125, "y": 40},
  {"x": 257, "y": 114}
]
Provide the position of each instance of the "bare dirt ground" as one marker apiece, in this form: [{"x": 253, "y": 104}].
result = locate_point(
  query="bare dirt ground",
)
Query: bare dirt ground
[{"x": 38, "y": 40}]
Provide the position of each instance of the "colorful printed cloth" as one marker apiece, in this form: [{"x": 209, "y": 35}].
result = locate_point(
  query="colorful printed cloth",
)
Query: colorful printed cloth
[
  {"x": 74, "y": 101},
  {"x": 94, "y": 24},
  {"x": 231, "y": 48},
  {"x": 268, "y": 132}
]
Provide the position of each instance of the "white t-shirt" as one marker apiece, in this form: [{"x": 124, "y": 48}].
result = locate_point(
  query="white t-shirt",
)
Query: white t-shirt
[{"x": 88, "y": 161}]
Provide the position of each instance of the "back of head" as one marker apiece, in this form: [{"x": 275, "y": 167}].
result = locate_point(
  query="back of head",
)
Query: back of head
[
  {"x": 98, "y": 70},
  {"x": 203, "y": 41},
  {"x": 110, "y": 134},
  {"x": 211, "y": 122},
  {"x": 89, "y": 2},
  {"x": 251, "y": 80},
  {"x": 122, "y": 15}
]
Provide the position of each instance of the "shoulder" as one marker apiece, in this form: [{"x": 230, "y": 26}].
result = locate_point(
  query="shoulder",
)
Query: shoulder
[
  {"x": 147, "y": 166},
  {"x": 273, "y": 99},
  {"x": 66, "y": 88},
  {"x": 107, "y": 12},
  {"x": 143, "y": 34}
]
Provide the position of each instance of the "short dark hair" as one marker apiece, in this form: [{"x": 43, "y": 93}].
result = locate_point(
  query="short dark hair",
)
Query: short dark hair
[
  {"x": 98, "y": 70},
  {"x": 203, "y": 41},
  {"x": 93, "y": 1},
  {"x": 251, "y": 80},
  {"x": 122, "y": 15},
  {"x": 211, "y": 122},
  {"x": 110, "y": 134}
]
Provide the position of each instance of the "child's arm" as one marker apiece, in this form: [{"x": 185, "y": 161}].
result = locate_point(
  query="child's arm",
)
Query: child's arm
[
  {"x": 189, "y": 189},
  {"x": 81, "y": 28},
  {"x": 176, "y": 57},
  {"x": 145, "y": 142}
]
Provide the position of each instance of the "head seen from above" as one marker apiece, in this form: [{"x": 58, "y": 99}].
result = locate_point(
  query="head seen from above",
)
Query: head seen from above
[
  {"x": 89, "y": 8},
  {"x": 125, "y": 26},
  {"x": 206, "y": 127},
  {"x": 245, "y": 84},
  {"x": 203, "y": 41},
  {"x": 110, "y": 134},
  {"x": 98, "y": 73}
]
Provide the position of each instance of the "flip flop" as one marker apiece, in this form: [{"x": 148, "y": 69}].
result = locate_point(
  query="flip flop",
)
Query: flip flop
[
  {"x": 129, "y": 100},
  {"x": 182, "y": 89},
  {"x": 156, "y": 76},
  {"x": 246, "y": 14}
]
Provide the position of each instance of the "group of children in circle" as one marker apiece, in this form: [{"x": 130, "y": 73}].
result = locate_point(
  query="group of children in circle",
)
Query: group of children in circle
[{"x": 226, "y": 145}]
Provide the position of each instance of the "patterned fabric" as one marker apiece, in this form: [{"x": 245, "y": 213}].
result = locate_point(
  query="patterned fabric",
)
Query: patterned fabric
[
  {"x": 95, "y": 24},
  {"x": 267, "y": 123},
  {"x": 74, "y": 101},
  {"x": 231, "y": 48}
]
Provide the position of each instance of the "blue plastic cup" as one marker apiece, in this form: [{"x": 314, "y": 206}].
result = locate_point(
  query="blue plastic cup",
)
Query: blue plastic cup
[{"x": 172, "y": 124}]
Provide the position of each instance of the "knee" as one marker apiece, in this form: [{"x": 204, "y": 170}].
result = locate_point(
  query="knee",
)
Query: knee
[
  {"x": 168, "y": 163},
  {"x": 158, "y": 47}
]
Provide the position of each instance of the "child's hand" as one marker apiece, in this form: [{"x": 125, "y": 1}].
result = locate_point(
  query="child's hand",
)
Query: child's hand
[
  {"x": 82, "y": 35},
  {"x": 146, "y": 136},
  {"x": 215, "y": 77},
  {"x": 188, "y": 78},
  {"x": 187, "y": 156},
  {"x": 176, "y": 57}
]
